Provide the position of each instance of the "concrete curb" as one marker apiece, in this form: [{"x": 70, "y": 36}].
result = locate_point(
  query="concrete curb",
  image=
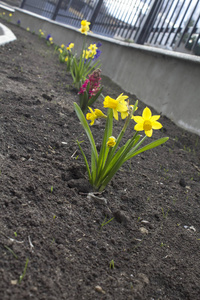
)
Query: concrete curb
[{"x": 7, "y": 36}]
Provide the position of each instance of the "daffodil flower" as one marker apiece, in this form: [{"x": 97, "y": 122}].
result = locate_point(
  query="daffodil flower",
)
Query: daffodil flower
[
  {"x": 93, "y": 115},
  {"x": 93, "y": 47},
  {"x": 118, "y": 105},
  {"x": 62, "y": 46},
  {"x": 84, "y": 27},
  {"x": 147, "y": 122},
  {"x": 111, "y": 142},
  {"x": 126, "y": 113},
  {"x": 70, "y": 46}
]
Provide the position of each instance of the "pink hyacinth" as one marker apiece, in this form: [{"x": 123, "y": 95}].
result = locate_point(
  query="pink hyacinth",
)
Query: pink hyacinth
[{"x": 94, "y": 81}]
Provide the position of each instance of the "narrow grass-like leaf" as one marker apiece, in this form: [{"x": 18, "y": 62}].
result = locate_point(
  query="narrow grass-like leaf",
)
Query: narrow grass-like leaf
[
  {"x": 87, "y": 130},
  {"x": 152, "y": 145},
  {"x": 85, "y": 159}
]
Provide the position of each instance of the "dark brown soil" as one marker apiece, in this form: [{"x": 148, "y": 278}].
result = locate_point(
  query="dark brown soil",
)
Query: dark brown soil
[{"x": 47, "y": 216}]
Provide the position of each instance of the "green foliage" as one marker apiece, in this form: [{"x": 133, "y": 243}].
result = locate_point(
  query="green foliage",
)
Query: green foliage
[{"x": 105, "y": 164}]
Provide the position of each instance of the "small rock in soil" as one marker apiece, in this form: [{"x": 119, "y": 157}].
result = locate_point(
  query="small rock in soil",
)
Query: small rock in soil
[
  {"x": 182, "y": 182},
  {"x": 81, "y": 184},
  {"x": 121, "y": 217},
  {"x": 143, "y": 230},
  {"x": 99, "y": 289}
]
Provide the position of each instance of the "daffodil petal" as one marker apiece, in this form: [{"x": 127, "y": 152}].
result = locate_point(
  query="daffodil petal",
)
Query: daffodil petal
[
  {"x": 124, "y": 114},
  {"x": 149, "y": 133},
  {"x": 154, "y": 118},
  {"x": 115, "y": 114},
  {"x": 139, "y": 127},
  {"x": 121, "y": 97},
  {"x": 156, "y": 125},
  {"x": 90, "y": 109},
  {"x": 138, "y": 119},
  {"x": 146, "y": 113},
  {"x": 121, "y": 107}
]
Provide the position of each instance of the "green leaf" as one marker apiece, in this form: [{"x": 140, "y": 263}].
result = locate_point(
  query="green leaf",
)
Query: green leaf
[
  {"x": 104, "y": 149},
  {"x": 152, "y": 145},
  {"x": 85, "y": 159},
  {"x": 86, "y": 127}
]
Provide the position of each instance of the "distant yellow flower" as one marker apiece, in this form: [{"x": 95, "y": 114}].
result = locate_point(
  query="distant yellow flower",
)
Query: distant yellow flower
[
  {"x": 93, "y": 47},
  {"x": 147, "y": 122},
  {"x": 66, "y": 58},
  {"x": 40, "y": 30},
  {"x": 86, "y": 54},
  {"x": 62, "y": 46},
  {"x": 111, "y": 142},
  {"x": 85, "y": 23},
  {"x": 118, "y": 105},
  {"x": 10, "y": 15},
  {"x": 60, "y": 50},
  {"x": 70, "y": 46},
  {"x": 93, "y": 115},
  {"x": 84, "y": 27},
  {"x": 51, "y": 40},
  {"x": 28, "y": 29}
]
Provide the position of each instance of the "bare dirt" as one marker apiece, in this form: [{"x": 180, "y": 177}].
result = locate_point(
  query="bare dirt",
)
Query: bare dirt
[{"x": 47, "y": 217}]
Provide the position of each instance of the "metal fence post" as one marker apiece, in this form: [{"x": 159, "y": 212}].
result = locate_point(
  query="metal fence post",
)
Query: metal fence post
[
  {"x": 95, "y": 13},
  {"x": 56, "y": 9},
  {"x": 147, "y": 26},
  {"x": 22, "y": 4}
]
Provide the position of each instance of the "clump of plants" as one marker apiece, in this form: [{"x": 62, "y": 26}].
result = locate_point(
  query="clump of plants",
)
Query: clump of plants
[{"x": 113, "y": 154}]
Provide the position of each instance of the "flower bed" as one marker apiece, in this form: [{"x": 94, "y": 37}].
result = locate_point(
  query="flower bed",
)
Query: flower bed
[{"x": 138, "y": 239}]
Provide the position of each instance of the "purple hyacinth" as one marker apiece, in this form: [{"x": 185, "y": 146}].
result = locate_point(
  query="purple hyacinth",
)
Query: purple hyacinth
[
  {"x": 98, "y": 53},
  {"x": 48, "y": 37},
  {"x": 99, "y": 44}
]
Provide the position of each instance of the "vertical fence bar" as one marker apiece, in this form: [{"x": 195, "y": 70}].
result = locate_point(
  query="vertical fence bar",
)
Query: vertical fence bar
[
  {"x": 148, "y": 24},
  {"x": 56, "y": 9},
  {"x": 22, "y": 4},
  {"x": 166, "y": 28},
  {"x": 155, "y": 29},
  {"x": 186, "y": 27},
  {"x": 179, "y": 28},
  {"x": 172, "y": 28},
  {"x": 193, "y": 29},
  {"x": 95, "y": 13}
]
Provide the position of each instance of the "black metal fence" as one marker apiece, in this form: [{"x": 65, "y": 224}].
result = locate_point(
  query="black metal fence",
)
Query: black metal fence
[{"x": 170, "y": 24}]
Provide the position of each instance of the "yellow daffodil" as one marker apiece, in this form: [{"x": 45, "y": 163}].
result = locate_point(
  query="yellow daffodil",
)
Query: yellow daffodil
[
  {"x": 118, "y": 105},
  {"x": 125, "y": 114},
  {"x": 93, "y": 115},
  {"x": 93, "y": 47},
  {"x": 51, "y": 40},
  {"x": 62, "y": 46},
  {"x": 60, "y": 50},
  {"x": 66, "y": 58},
  {"x": 86, "y": 54},
  {"x": 70, "y": 46},
  {"x": 111, "y": 142},
  {"x": 147, "y": 122},
  {"x": 84, "y": 27},
  {"x": 85, "y": 23}
]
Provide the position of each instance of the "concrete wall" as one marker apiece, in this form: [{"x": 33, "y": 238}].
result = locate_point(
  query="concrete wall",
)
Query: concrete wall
[{"x": 168, "y": 81}]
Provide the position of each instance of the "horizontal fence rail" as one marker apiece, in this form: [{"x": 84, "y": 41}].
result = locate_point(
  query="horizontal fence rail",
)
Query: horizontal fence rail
[{"x": 170, "y": 24}]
